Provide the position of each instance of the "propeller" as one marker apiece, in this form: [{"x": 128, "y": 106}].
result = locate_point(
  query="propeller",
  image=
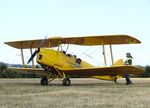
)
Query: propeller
[{"x": 37, "y": 50}]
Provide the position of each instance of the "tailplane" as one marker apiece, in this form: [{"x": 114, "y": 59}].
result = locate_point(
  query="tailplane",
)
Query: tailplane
[{"x": 118, "y": 62}]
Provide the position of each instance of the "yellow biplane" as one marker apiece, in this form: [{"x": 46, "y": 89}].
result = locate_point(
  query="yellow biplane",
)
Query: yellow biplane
[{"x": 59, "y": 64}]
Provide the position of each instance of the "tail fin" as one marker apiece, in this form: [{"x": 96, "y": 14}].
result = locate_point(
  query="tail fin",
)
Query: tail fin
[{"x": 118, "y": 62}]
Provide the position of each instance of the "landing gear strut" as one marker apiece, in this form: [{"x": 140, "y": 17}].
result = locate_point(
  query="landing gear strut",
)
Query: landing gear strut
[
  {"x": 55, "y": 73},
  {"x": 44, "y": 81},
  {"x": 66, "y": 82}
]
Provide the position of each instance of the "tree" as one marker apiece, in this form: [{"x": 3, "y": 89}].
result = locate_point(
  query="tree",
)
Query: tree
[
  {"x": 147, "y": 71},
  {"x": 3, "y": 69},
  {"x": 3, "y": 66}
]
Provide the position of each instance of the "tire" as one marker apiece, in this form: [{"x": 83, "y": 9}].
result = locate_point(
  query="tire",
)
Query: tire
[
  {"x": 44, "y": 81},
  {"x": 66, "y": 82}
]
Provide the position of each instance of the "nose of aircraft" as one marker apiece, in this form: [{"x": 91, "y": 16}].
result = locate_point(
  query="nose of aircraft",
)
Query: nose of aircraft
[{"x": 37, "y": 50}]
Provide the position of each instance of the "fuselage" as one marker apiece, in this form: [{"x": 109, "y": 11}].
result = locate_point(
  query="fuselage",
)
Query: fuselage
[{"x": 60, "y": 60}]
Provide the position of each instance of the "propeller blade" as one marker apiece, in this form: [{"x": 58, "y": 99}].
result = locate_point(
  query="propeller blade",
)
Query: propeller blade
[
  {"x": 32, "y": 56},
  {"x": 42, "y": 41}
]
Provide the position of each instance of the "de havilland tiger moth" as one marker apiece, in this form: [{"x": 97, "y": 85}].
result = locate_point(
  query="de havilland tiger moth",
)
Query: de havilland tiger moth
[{"x": 59, "y": 64}]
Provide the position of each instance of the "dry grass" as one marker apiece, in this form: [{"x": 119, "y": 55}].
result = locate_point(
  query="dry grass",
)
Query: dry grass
[{"x": 83, "y": 93}]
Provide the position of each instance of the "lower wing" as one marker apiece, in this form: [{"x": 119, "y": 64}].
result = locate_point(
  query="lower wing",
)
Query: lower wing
[
  {"x": 103, "y": 71},
  {"x": 36, "y": 70}
]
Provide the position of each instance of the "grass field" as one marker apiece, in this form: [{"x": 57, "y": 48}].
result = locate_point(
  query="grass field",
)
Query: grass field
[{"x": 83, "y": 93}]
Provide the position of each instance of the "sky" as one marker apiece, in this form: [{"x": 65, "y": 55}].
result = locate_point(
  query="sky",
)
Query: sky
[{"x": 34, "y": 19}]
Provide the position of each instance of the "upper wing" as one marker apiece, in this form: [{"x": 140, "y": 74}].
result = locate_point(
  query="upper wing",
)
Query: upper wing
[
  {"x": 86, "y": 40},
  {"x": 102, "y": 71},
  {"x": 36, "y": 70}
]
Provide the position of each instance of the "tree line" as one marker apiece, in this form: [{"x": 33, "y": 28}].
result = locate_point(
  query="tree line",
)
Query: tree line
[{"x": 7, "y": 73}]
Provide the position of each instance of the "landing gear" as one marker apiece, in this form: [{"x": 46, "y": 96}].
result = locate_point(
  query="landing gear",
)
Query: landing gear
[
  {"x": 55, "y": 73},
  {"x": 44, "y": 81},
  {"x": 66, "y": 82}
]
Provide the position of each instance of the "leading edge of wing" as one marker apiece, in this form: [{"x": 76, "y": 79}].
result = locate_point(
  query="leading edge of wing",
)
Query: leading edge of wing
[{"x": 101, "y": 71}]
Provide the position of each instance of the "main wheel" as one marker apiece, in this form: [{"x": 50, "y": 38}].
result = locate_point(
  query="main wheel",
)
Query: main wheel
[
  {"x": 44, "y": 81},
  {"x": 66, "y": 82}
]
